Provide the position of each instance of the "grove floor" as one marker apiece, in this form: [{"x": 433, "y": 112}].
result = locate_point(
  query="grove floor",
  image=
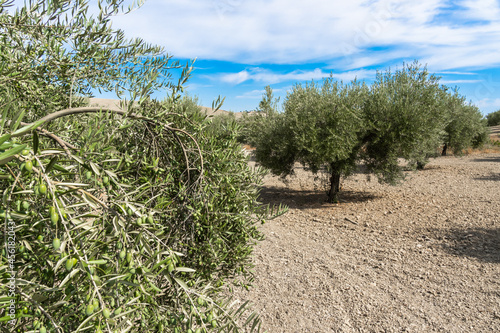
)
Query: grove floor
[{"x": 420, "y": 257}]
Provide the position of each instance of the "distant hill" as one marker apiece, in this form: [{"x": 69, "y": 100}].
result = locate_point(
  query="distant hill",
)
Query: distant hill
[{"x": 115, "y": 104}]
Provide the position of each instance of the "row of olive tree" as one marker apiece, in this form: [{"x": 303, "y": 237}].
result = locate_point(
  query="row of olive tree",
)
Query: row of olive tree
[
  {"x": 124, "y": 220},
  {"x": 403, "y": 114},
  {"x": 493, "y": 118}
]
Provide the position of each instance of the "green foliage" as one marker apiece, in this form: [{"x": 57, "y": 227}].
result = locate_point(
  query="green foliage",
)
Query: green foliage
[
  {"x": 251, "y": 122},
  {"x": 320, "y": 127},
  {"x": 466, "y": 126},
  {"x": 53, "y": 52},
  {"x": 406, "y": 119},
  {"x": 405, "y": 114},
  {"x": 139, "y": 192},
  {"x": 493, "y": 118},
  {"x": 119, "y": 220},
  {"x": 269, "y": 104}
]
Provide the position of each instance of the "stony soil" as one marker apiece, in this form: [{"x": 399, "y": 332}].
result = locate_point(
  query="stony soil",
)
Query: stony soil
[{"x": 420, "y": 257}]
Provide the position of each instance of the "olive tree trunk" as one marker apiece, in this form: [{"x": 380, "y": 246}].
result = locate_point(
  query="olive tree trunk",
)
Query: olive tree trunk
[
  {"x": 445, "y": 148},
  {"x": 333, "y": 194}
]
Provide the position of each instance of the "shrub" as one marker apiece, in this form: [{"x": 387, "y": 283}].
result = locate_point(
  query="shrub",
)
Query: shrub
[
  {"x": 493, "y": 118},
  {"x": 465, "y": 125}
]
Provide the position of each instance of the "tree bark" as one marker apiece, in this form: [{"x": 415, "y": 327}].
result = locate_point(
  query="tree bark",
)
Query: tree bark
[
  {"x": 445, "y": 148},
  {"x": 333, "y": 194}
]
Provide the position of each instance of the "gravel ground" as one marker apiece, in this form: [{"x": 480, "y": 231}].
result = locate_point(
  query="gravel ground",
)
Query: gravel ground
[{"x": 420, "y": 257}]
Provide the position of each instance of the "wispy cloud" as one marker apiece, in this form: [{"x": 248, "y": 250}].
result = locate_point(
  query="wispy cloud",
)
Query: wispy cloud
[
  {"x": 459, "y": 81},
  {"x": 489, "y": 103},
  {"x": 266, "y": 76},
  {"x": 455, "y": 73}
]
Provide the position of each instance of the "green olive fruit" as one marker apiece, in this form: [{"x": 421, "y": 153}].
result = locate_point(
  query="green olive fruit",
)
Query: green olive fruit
[
  {"x": 56, "y": 243},
  {"x": 95, "y": 303},
  {"x": 89, "y": 310},
  {"x": 105, "y": 180},
  {"x": 129, "y": 257},
  {"x": 118, "y": 311},
  {"x": 52, "y": 210},
  {"x": 42, "y": 188},
  {"x": 88, "y": 175},
  {"x": 122, "y": 254},
  {"x": 214, "y": 323},
  {"x": 25, "y": 152},
  {"x": 106, "y": 313},
  {"x": 22, "y": 249},
  {"x": 43, "y": 329},
  {"x": 28, "y": 166},
  {"x": 36, "y": 324},
  {"x": 70, "y": 263},
  {"x": 54, "y": 218},
  {"x": 198, "y": 330},
  {"x": 119, "y": 245},
  {"x": 25, "y": 309},
  {"x": 132, "y": 271},
  {"x": 130, "y": 212},
  {"x": 98, "y": 330},
  {"x": 139, "y": 220},
  {"x": 40, "y": 238},
  {"x": 200, "y": 301},
  {"x": 150, "y": 219},
  {"x": 25, "y": 205},
  {"x": 170, "y": 268}
]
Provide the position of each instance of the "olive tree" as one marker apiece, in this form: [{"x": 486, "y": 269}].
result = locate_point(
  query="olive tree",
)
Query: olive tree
[
  {"x": 406, "y": 118},
  {"x": 319, "y": 128},
  {"x": 493, "y": 118},
  {"x": 465, "y": 125},
  {"x": 126, "y": 220},
  {"x": 54, "y": 52},
  {"x": 336, "y": 126}
]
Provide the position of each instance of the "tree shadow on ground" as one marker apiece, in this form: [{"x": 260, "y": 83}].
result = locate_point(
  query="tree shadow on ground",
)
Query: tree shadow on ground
[
  {"x": 480, "y": 243},
  {"x": 306, "y": 199},
  {"x": 488, "y": 159},
  {"x": 490, "y": 177}
]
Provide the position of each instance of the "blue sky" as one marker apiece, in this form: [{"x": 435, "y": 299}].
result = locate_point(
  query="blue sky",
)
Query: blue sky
[{"x": 241, "y": 45}]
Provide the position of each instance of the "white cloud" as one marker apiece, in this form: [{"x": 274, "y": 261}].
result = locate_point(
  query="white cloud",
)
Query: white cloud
[
  {"x": 296, "y": 31},
  {"x": 235, "y": 78},
  {"x": 488, "y": 104},
  {"x": 455, "y": 73},
  {"x": 266, "y": 76},
  {"x": 488, "y": 10},
  {"x": 459, "y": 81},
  {"x": 253, "y": 94}
]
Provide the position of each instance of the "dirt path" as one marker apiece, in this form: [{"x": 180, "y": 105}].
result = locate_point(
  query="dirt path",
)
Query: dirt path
[{"x": 420, "y": 257}]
